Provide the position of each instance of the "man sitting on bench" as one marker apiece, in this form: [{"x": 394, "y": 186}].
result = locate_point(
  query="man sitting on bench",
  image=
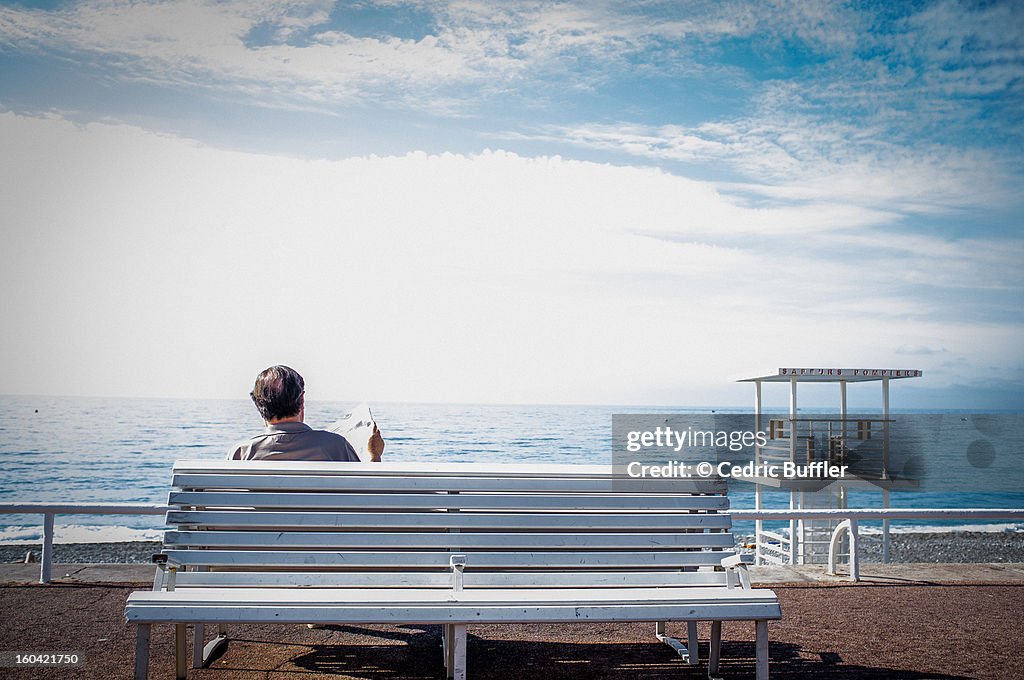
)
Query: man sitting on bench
[{"x": 280, "y": 397}]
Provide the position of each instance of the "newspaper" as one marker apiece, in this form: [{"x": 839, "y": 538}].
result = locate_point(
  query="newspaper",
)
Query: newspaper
[{"x": 356, "y": 426}]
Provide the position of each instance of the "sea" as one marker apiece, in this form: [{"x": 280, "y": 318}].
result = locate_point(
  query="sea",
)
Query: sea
[{"x": 111, "y": 450}]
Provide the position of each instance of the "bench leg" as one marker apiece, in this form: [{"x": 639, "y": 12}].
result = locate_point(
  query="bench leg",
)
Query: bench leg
[
  {"x": 446, "y": 637},
  {"x": 179, "y": 651},
  {"x": 715, "y": 653},
  {"x": 142, "y": 651},
  {"x": 198, "y": 634},
  {"x": 691, "y": 643},
  {"x": 761, "y": 641},
  {"x": 457, "y": 645}
]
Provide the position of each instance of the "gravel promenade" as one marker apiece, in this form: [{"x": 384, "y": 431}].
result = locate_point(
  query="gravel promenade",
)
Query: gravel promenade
[
  {"x": 910, "y": 631},
  {"x": 946, "y": 548}
]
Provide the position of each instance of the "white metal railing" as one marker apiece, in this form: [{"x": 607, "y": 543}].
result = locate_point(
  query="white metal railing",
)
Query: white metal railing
[
  {"x": 50, "y": 510},
  {"x": 771, "y": 547},
  {"x": 848, "y": 517}
]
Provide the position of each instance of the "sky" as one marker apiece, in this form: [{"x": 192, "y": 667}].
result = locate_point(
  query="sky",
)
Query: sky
[{"x": 597, "y": 202}]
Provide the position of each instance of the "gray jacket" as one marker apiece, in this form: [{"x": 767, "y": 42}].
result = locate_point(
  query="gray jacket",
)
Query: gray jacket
[{"x": 295, "y": 441}]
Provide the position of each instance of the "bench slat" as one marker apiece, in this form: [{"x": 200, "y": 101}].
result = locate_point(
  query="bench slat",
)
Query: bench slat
[
  {"x": 631, "y": 611},
  {"x": 283, "y": 521},
  {"x": 487, "y": 597},
  {"x": 274, "y": 540},
  {"x": 401, "y": 469},
  {"x": 352, "y": 482},
  {"x": 440, "y": 559},
  {"x": 424, "y": 579},
  {"x": 434, "y": 501}
]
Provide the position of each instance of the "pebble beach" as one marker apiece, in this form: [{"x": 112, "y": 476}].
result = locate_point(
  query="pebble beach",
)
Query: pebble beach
[{"x": 941, "y": 547}]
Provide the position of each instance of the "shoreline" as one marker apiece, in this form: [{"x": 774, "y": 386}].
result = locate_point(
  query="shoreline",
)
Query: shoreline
[{"x": 934, "y": 547}]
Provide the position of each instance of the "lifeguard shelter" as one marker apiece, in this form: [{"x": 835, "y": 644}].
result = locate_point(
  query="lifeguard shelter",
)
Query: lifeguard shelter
[{"x": 831, "y": 437}]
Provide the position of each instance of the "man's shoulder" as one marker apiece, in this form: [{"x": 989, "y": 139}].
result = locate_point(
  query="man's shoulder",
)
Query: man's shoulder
[
  {"x": 242, "y": 450},
  {"x": 326, "y": 438},
  {"x": 327, "y": 435}
]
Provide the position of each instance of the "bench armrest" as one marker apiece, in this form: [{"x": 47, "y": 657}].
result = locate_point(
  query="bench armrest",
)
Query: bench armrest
[
  {"x": 167, "y": 571},
  {"x": 457, "y": 563},
  {"x": 737, "y": 559},
  {"x": 737, "y": 564}
]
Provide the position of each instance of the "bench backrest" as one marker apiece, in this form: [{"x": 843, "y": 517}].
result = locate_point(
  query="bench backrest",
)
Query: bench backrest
[{"x": 398, "y": 524}]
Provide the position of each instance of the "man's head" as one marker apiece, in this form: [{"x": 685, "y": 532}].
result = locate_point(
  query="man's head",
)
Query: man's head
[{"x": 278, "y": 393}]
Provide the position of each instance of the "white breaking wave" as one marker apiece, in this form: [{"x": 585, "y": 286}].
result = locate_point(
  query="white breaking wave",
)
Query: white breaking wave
[{"x": 78, "y": 533}]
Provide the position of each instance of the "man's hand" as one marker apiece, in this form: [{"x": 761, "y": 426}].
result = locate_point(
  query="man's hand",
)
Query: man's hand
[{"x": 376, "y": 445}]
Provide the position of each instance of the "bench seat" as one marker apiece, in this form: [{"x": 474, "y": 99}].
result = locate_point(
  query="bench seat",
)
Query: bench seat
[{"x": 436, "y": 605}]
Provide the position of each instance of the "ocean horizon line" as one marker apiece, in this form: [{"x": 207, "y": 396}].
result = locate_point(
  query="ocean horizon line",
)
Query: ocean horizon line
[{"x": 713, "y": 408}]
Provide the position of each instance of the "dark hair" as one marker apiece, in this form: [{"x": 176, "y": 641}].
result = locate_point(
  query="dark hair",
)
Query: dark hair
[{"x": 278, "y": 393}]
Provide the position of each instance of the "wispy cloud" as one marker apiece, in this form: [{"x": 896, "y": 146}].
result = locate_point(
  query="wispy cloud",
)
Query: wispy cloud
[
  {"x": 797, "y": 158},
  {"x": 922, "y": 113},
  {"x": 205, "y": 44},
  {"x": 862, "y": 62},
  {"x": 478, "y": 47}
]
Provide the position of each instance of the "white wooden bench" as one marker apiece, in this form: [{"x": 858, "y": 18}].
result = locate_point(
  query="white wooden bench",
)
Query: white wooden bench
[{"x": 451, "y": 544}]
